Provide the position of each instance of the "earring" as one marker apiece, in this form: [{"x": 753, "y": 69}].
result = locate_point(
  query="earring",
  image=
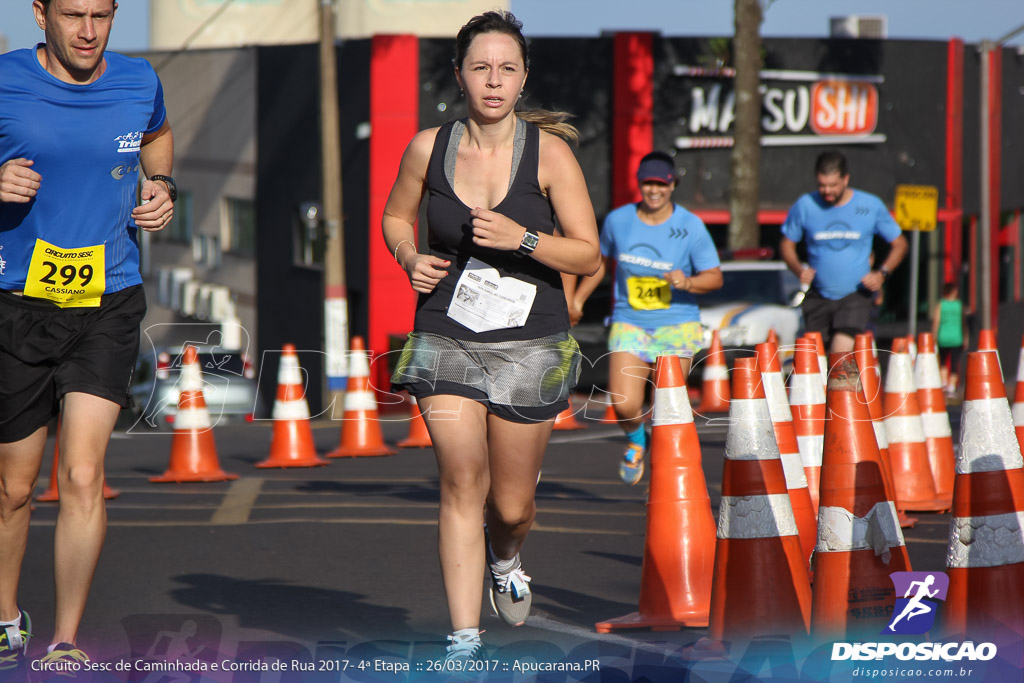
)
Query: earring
[{"x": 521, "y": 93}]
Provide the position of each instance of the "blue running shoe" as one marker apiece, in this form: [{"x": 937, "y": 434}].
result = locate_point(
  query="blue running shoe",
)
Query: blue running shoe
[
  {"x": 14, "y": 643},
  {"x": 463, "y": 658},
  {"x": 631, "y": 469}
]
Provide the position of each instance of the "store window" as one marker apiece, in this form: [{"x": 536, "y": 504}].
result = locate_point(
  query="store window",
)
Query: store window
[{"x": 239, "y": 226}]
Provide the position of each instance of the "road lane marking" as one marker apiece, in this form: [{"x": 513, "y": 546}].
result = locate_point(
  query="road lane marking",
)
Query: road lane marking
[
  {"x": 661, "y": 648},
  {"x": 238, "y": 502},
  {"x": 166, "y": 523}
]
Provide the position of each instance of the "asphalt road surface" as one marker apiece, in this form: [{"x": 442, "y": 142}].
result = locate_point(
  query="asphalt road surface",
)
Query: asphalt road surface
[{"x": 335, "y": 568}]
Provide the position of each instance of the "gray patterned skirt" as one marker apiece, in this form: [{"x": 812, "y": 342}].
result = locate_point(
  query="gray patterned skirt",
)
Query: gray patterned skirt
[{"x": 531, "y": 373}]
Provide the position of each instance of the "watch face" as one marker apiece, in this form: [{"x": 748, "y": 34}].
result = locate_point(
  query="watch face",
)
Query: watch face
[{"x": 530, "y": 241}]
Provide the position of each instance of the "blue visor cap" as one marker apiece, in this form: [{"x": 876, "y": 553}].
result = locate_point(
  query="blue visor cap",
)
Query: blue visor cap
[{"x": 656, "y": 169}]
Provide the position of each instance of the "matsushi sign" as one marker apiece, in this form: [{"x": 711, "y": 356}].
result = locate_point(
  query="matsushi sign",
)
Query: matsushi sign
[{"x": 798, "y": 108}]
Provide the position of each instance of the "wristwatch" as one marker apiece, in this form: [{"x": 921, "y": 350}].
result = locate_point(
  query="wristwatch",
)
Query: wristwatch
[
  {"x": 884, "y": 272},
  {"x": 172, "y": 189},
  {"x": 529, "y": 243}
]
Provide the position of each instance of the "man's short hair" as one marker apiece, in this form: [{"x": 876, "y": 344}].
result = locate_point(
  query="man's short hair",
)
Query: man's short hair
[{"x": 829, "y": 163}]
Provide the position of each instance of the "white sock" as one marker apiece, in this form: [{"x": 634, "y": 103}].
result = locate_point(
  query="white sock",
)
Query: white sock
[
  {"x": 464, "y": 634},
  {"x": 498, "y": 565},
  {"x": 13, "y": 629}
]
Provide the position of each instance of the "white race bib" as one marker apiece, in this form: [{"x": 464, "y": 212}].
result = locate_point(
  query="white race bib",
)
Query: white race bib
[{"x": 485, "y": 301}]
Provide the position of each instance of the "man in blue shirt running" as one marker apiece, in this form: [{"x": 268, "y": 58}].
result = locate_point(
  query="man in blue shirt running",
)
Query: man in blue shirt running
[
  {"x": 76, "y": 127},
  {"x": 839, "y": 225}
]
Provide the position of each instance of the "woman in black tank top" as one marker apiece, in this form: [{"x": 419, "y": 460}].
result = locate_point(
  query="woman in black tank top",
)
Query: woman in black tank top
[{"x": 491, "y": 317}]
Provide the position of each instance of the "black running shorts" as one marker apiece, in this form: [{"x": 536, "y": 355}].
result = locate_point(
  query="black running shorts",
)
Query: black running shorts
[
  {"x": 849, "y": 315},
  {"x": 47, "y": 351}
]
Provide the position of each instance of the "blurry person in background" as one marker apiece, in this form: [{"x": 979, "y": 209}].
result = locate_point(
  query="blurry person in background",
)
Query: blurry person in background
[
  {"x": 663, "y": 256},
  {"x": 838, "y": 225},
  {"x": 949, "y": 327}
]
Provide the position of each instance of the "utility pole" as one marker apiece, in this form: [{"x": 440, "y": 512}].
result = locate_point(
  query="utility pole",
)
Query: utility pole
[{"x": 335, "y": 337}]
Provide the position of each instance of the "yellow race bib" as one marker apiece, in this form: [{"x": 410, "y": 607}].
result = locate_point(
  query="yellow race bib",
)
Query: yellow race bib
[
  {"x": 648, "y": 293},
  {"x": 70, "y": 278}
]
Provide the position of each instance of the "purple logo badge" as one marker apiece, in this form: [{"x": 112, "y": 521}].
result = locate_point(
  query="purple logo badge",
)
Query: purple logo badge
[{"x": 917, "y": 596}]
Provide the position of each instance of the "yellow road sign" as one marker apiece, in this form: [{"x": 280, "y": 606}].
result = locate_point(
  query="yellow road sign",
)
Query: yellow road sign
[{"x": 916, "y": 207}]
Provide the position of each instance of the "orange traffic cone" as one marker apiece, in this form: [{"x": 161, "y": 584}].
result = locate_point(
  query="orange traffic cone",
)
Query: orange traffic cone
[
  {"x": 609, "y": 416},
  {"x": 874, "y": 352},
  {"x": 418, "y": 437},
  {"x": 1018, "y": 399},
  {"x": 938, "y": 435},
  {"x": 859, "y": 539},
  {"x": 760, "y": 583},
  {"x": 193, "y": 452},
  {"x": 360, "y": 427},
  {"x": 52, "y": 493},
  {"x": 789, "y": 451},
  {"x": 675, "y": 589},
  {"x": 987, "y": 341},
  {"x": 912, "y": 348},
  {"x": 292, "y": 444},
  {"x": 772, "y": 337},
  {"x": 819, "y": 347},
  {"x": 715, "y": 380},
  {"x": 807, "y": 401},
  {"x": 986, "y": 545},
  {"x": 871, "y": 382},
  {"x": 566, "y": 420},
  {"x": 908, "y": 454}
]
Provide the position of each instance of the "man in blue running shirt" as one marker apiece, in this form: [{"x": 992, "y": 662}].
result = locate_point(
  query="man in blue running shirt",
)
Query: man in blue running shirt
[
  {"x": 76, "y": 127},
  {"x": 839, "y": 225}
]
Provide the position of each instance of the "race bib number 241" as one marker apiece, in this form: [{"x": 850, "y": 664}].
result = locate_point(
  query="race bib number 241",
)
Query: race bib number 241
[{"x": 648, "y": 293}]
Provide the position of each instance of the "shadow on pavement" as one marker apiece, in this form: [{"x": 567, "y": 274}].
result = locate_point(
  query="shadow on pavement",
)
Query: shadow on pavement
[
  {"x": 579, "y": 608},
  {"x": 292, "y": 611},
  {"x": 633, "y": 560}
]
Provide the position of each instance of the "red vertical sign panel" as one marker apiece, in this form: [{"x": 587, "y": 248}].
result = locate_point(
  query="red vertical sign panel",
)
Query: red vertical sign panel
[
  {"x": 394, "y": 120},
  {"x": 995, "y": 145},
  {"x": 632, "y": 118},
  {"x": 954, "y": 158}
]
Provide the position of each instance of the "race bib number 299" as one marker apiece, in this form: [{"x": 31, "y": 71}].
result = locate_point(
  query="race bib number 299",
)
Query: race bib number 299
[{"x": 70, "y": 278}]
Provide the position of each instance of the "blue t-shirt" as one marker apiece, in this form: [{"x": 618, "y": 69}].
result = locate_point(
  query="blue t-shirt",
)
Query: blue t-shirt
[
  {"x": 839, "y": 238},
  {"x": 643, "y": 252},
  {"x": 84, "y": 141}
]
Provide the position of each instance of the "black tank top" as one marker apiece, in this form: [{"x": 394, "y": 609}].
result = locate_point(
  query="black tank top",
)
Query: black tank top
[{"x": 450, "y": 237}]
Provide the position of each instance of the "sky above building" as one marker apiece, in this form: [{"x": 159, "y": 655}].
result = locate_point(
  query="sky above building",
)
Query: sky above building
[{"x": 972, "y": 20}]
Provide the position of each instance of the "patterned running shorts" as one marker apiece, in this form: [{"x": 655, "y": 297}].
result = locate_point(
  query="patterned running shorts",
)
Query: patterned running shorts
[
  {"x": 520, "y": 381},
  {"x": 671, "y": 340}
]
